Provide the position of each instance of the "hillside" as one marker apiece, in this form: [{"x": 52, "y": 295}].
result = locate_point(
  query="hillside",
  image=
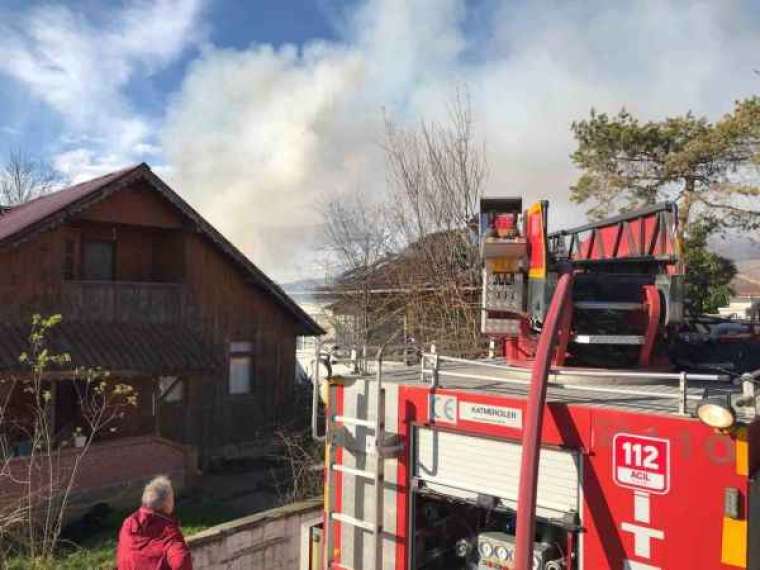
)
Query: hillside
[{"x": 747, "y": 281}]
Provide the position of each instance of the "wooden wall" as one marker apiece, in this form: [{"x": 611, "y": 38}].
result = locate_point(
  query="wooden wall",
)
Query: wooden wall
[
  {"x": 137, "y": 206},
  {"x": 232, "y": 309},
  {"x": 31, "y": 275},
  {"x": 150, "y": 247}
]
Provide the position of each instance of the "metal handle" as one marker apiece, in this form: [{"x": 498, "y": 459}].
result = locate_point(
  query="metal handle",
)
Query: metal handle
[{"x": 315, "y": 395}]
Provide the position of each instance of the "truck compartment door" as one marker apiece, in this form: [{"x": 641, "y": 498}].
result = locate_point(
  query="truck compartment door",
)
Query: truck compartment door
[{"x": 464, "y": 466}]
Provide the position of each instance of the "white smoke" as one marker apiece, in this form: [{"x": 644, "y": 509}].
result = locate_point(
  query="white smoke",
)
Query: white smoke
[{"x": 256, "y": 138}]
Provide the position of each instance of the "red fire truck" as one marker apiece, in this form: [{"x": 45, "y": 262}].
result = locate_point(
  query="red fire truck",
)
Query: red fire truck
[{"x": 604, "y": 439}]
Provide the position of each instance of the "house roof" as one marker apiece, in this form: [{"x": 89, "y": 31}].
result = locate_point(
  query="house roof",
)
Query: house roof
[
  {"x": 20, "y": 219},
  {"x": 118, "y": 348},
  {"x": 21, "y": 222},
  {"x": 410, "y": 268}
]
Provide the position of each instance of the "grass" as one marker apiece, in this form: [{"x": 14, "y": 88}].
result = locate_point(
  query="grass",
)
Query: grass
[{"x": 97, "y": 551}]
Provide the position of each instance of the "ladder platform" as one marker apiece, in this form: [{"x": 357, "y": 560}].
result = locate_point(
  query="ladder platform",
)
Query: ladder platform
[
  {"x": 390, "y": 447},
  {"x": 607, "y": 306},
  {"x": 346, "y": 519},
  {"x": 355, "y": 472},
  {"x": 346, "y": 420},
  {"x": 376, "y": 444},
  {"x": 629, "y": 339}
]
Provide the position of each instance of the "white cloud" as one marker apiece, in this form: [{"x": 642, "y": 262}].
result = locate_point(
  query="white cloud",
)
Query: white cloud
[
  {"x": 256, "y": 137},
  {"x": 81, "y": 67},
  {"x": 83, "y": 164}
]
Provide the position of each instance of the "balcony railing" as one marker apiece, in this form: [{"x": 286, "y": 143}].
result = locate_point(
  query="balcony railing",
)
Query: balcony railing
[{"x": 124, "y": 301}]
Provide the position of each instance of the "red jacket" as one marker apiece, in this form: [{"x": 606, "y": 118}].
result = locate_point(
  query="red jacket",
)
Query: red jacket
[{"x": 151, "y": 541}]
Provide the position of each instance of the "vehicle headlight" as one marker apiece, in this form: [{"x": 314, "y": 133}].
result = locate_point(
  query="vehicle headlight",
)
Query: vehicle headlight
[
  {"x": 502, "y": 553},
  {"x": 716, "y": 413}
]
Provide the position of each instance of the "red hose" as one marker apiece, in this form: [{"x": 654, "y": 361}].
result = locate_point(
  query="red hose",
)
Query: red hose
[{"x": 534, "y": 417}]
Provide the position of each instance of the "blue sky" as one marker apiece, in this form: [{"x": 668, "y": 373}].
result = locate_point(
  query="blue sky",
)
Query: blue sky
[
  {"x": 30, "y": 124},
  {"x": 257, "y": 111}
]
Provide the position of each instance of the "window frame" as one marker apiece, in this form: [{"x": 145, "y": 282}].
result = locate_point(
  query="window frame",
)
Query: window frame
[
  {"x": 175, "y": 387},
  {"x": 83, "y": 261},
  {"x": 305, "y": 343},
  {"x": 241, "y": 350}
]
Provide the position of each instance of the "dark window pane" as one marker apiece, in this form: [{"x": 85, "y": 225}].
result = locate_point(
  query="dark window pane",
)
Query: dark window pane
[
  {"x": 69, "y": 262},
  {"x": 98, "y": 263},
  {"x": 177, "y": 392},
  {"x": 240, "y": 374}
]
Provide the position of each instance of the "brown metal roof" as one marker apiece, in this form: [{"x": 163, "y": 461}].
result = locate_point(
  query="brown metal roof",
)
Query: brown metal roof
[
  {"x": 42, "y": 213},
  {"x": 16, "y": 220},
  {"x": 148, "y": 349}
]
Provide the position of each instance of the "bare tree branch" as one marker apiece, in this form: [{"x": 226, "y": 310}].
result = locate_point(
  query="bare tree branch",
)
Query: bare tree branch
[
  {"x": 23, "y": 178},
  {"x": 410, "y": 257},
  {"x": 40, "y": 481}
]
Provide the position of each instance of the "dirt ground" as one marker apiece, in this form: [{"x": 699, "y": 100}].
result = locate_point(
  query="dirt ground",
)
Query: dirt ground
[{"x": 245, "y": 486}]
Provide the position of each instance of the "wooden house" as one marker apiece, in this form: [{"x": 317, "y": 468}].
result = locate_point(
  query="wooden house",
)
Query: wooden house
[{"x": 151, "y": 292}]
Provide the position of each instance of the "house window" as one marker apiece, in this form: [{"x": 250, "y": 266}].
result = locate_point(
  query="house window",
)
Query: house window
[
  {"x": 304, "y": 343},
  {"x": 171, "y": 389},
  {"x": 241, "y": 367},
  {"x": 98, "y": 260}
]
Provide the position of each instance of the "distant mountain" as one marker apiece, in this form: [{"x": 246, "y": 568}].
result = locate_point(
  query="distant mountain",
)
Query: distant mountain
[
  {"x": 303, "y": 285},
  {"x": 747, "y": 281},
  {"x": 737, "y": 248}
]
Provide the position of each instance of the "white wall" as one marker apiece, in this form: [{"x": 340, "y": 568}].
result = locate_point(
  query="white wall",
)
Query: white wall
[{"x": 270, "y": 540}]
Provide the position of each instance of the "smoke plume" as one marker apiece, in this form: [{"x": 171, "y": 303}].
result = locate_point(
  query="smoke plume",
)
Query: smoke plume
[{"x": 256, "y": 138}]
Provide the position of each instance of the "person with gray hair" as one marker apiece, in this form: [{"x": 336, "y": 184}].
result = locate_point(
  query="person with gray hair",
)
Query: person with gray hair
[
  {"x": 150, "y": 538},
  {"x": 158, "y": 495}
]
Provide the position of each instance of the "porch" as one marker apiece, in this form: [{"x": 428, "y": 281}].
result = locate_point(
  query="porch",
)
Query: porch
[{"x": 167, "y": 366}]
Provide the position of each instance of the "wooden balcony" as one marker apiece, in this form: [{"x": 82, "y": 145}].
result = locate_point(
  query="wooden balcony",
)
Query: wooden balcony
[{"x": 125, "y": 301}]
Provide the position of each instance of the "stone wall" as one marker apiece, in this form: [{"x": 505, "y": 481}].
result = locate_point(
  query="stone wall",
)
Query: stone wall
[{"x": 271, "y": 540}]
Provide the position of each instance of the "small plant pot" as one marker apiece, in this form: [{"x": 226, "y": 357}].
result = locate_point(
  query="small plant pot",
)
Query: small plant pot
[
  {"x": 23, "y": 449},
  {"x": 80, "y": 440}
]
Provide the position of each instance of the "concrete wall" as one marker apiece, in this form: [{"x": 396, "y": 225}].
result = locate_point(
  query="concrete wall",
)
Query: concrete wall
[{"x": 271, "y": 540}]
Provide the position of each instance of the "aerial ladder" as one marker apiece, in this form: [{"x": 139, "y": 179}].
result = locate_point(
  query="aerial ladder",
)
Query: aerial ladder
[{"x": 529, "y": 277}]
